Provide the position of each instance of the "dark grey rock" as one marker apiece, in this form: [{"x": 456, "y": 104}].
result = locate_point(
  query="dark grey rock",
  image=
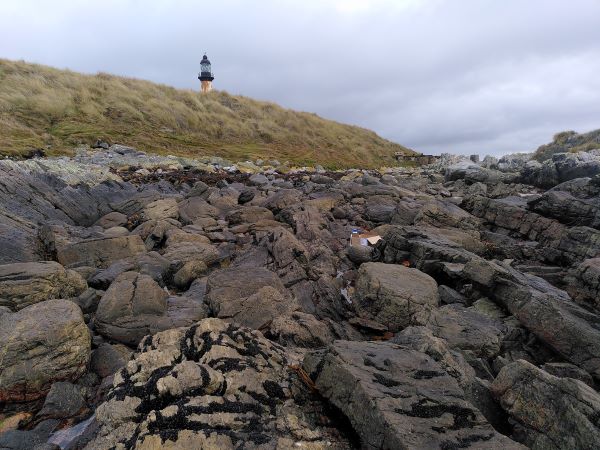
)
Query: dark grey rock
[
  {"x": 109, "y": 358},
  {"x": 63, "y": 400},
  {"x": 449, "y": 296}
]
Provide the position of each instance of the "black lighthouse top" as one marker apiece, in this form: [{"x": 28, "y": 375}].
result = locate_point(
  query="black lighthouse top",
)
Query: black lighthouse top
[{"x": 205, "y": 72}]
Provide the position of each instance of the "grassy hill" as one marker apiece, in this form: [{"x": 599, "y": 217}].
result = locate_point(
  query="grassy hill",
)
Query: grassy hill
[
  {"x": 569, "y": 141},
  {"x": 43, "y": 107}
]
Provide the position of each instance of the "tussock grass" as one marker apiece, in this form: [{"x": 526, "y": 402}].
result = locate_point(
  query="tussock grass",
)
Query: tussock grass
[
  {"x": 569, "y": 141},
  {"x": 43, "y": 107}
]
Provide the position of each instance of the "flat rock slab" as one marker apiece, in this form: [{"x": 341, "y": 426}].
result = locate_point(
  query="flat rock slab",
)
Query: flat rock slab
[
  {"x": 162, "y": 209},
  {"x": 100, "y": 252},
  {"x": 468, "y": 330},
  {"x": 398, "y": 398},
  {"x": 23, "y": 284}
]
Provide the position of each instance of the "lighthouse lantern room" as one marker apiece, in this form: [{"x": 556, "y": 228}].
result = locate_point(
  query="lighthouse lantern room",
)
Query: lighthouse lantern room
[{"x": 205, "y": 76}]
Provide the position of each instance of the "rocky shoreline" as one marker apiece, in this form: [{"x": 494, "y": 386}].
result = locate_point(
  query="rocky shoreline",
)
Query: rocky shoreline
[{"x": 158, "y": 302}]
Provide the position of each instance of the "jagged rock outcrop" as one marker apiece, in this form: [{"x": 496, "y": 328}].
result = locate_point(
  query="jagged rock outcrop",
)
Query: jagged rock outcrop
[
  {"x": 561, "y": 167},
  {"x": 474, "y": 272},
  {"x": 545, "y": 310},
  {"x": 558, "y": 242},
  {"x": 584, "y": 283}
]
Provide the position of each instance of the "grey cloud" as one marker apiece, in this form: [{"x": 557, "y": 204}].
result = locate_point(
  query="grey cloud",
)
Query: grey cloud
[{"x": 437, "y": 75}]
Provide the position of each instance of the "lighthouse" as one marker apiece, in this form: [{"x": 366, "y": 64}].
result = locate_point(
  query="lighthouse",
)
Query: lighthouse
[{"x": 205, "y": 76}]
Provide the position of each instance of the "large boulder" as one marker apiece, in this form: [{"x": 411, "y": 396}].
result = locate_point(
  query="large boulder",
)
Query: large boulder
[
  {"x": 23, "y": 284},
  {"x": 100, "y": 252},
  {"x": 249, "y": 296},
  {"x": 135, "y": 305},
  {"x": 210, "y": 386},
  {"x": 551, "y": 412},
  {"x": 40, "y": 344},
  {"x": 380, "y": 208},
  {"x": 394, "y": 295},
  {"x": 397, "y": 397},
  {"x": 472, "y": 173},
  {"x": 282, "y": 199}
]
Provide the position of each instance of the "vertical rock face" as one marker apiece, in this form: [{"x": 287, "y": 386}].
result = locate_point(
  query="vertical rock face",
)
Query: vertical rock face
[
  {"x": 212, "y": 385},
  {"x": 396, "y": 397},
  {"x": 40, "y": 344},
  {"x": 23, "y": 284},
  {"x": 553, "y": 413},
  {"x": 394, "y": 295}
]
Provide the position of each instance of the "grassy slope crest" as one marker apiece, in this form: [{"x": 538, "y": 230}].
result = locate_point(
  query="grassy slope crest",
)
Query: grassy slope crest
[{"x": 43, "y": 107}]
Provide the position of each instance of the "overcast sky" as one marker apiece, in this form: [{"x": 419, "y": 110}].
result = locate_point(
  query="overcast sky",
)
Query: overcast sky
[{"x": 460, "y": 76}]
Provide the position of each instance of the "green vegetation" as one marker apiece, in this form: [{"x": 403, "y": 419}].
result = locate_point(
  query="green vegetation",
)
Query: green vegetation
[
  {"x": 569, "y": 141},
  {"x": 43, "y": 107}
]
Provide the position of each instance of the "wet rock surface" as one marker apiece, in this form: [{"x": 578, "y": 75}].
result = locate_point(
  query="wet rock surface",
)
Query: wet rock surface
[{"x": 160, "y": 302}]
